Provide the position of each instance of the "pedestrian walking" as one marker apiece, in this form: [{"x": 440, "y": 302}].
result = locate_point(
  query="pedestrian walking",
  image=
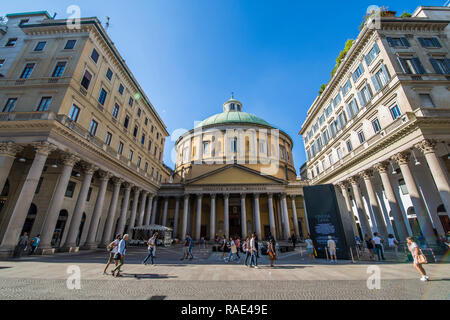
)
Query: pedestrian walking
[
  {"x": 120, "y": 256},
  {"x": 419, "y": 258},
  {"x": 187, "y": 243},
  {"x": 151, "y": 246},
  {"x": 254, "y": 252},
  {"x": 378, "y": 246},
  {"x": 358, "y": 242},
  {"x": 331, "y": 246},
  {"x": 294, "y": 240},
  {"x": 191, "y": 247},
  {"x": 112, "y": 248},
  {"x": 22, "y": 245},
  {"x": 370, "y": 245},
  {"x": 246, "y": 249},
  {"x": 310, "y": 248},
  {"x": 393, "y": 243},
  {"x": 271, "y": 251},
  {"x": 34, "y": 243},
  {"x": 224, "y": 246},
  {"x": 233, "y": 250},
  {"x": 238, "y": 246}
]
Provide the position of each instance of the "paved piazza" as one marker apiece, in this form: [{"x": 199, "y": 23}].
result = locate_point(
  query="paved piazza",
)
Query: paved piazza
[{"x": 208, "y": 277}]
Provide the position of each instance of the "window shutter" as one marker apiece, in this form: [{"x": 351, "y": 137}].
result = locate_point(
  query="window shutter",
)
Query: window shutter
[
  {"x": 370, "y": 90},
  {"x": 389, "y": 40},
  {"x": 349, "y": 111},
  {"x": 354, "y": 77},
  {"x": 356, "y": 105},
  {"x": 402, "y": 64},
  {"x": 375, "y": 83},
  {"x": 405, "y": 42},
  {"x": 435, "y": 66},
  {"x": 418, "y": 65},
  {"x": 436, "y": 42},
  {"x": 422, "y": 43},
  {"x": 386, "y": 72}
]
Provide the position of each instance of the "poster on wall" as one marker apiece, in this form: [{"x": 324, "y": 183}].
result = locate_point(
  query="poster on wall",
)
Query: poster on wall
[{"x": 324, "y": 220}]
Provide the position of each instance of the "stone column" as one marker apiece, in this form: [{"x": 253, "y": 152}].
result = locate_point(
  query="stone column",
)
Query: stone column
[
  {"x": 142, "y": 208},
  {"x": 348, "y": 204},
  {"x": 198, "y": 217},
  {"x": 155, "y": 206},
  {"x": 137, "y": 192},
  {"x": 287, "y": 229},
  {"x": 148, "y": 214},
  {"x": 243, "y": 216},
  {"x": 185, "y": 216},
  {"x": 98, "y": 209},
  {"x": 212, "y": 218},
  {"x": 22, "y": 205},
  {"x": 226, "y": 215},
  {"x": 399, "y": 221},
  {"x": 257, "y": 216},
  {"x": 419, "y": 207},
  {"x": 74, "y": 228},
  {"x": 373, "y": 204},
  {"x": 54, "y": 208},
  {"x": 272, "y": 216},
  {"x": 428, "y": 147},
  {"x": 294, "y": 217},
  {"x": 176, "y": 217},
  {"x": 124, "y": 208},
  {"x": 166, "y": 206},
  {"x": 280, "y": 216},
  {"x": 8, "y": 151},
  {"x": 106, "y": 238},
  {"x": 362, "y": 215}
]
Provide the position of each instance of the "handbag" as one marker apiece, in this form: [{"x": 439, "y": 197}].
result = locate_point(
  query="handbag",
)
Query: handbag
[{"x": 421, "y": 258}]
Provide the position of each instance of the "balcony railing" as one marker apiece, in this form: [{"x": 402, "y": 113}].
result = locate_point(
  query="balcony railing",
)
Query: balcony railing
[
  {"x": 34, "y": 81},
  {"x": 24, "y": 116}
]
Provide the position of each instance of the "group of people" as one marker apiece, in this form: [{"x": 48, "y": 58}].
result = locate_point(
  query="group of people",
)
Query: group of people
[
  {"x": 117, "y": 251},
  {"x": 25, "y": 244}
]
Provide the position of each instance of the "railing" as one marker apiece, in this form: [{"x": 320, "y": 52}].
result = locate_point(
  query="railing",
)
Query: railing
[
  {"x": 34, "y": 81},
  {"x": 24, "y": 116},
  {"x": 433, "y": 112}
]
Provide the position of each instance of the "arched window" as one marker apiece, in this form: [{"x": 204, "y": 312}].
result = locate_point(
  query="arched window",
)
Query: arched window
[{"x": 232, "y": 106}]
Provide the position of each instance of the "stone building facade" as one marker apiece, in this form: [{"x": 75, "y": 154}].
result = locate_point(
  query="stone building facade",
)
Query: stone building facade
[
  {"x": 81, "y": 144},
  {"x": 381, "y": 129}
]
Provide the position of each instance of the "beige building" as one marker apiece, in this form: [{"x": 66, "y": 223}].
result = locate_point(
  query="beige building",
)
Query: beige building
[
  {"x": 234, "y": 175},
  {"x": 381, "y": 128},
  {"x": 81, "y": 144}
]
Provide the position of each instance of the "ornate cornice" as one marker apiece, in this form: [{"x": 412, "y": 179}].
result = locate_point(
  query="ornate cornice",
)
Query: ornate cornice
[
  {"x": 367, "y": 174},
  {"x": 427, "y": 146},
  {"x": 69, "y": 159},
  {"x": 401, "y": 158},
  {"x": 44, "y": 148},
  {"x": 104, "y": 175},
  {"x": 382, "y": 167},
  {"x": 10, "y": 149}
]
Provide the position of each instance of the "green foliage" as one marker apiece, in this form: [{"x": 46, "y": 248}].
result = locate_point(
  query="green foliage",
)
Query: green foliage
[
  {"x": 342, "y": 55},
  {"x": 406, "y": 15},
  {"x": 322, "y": 88}
]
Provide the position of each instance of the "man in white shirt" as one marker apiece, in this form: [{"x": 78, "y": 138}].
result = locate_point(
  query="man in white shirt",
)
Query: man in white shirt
[
  {"x": 113, "y": 248},
  {"x": 331, "y": 245},
  {"x": 254, "y": 252},
  {"x": 151, "y": 247},
  {"x": 378, "y": 246}
]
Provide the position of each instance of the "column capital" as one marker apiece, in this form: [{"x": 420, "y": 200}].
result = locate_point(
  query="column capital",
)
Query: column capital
[
  {"x": 117, "y": 181},
  {"x": 126, "y": 184},
  {"x": 353, "y": 180},
  {"x": 213, "y": 195},
  {"x": 187, "y": 196},
  {"x": 10, "y": 149},
  {"x": 44, "y": 148},
  {"x": 401, "y": 157},
  {"x": 199, "y": 195},
  {"x": 226, "y": 195},
  {"x": 137, "y": 189},
  {"x": 382, "y": 167},
  {"x": 69, "y": 159},
  {"x": 343, "y": 184},
  {"x": 427, "y": 146},
  {"x": 104, "y": 175},
  {"x": 256, "y": 195},
  {"x": 89, "y": 168},
  {"x": 283, "y": 195},
  {"x": 293, "y": 196},
  {"x": 366, "y": 174},
  {"x": 243, "y": 195},
  {"x": 270, "y": 195}
]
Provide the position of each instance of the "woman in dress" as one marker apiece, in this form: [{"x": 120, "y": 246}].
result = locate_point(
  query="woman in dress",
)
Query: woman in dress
[
  {"x": 310, "y": 248},
  {"x": 370, "y": 245},
  {"x": 416, "y": 252},
  {"x": 272, "y": 252}
]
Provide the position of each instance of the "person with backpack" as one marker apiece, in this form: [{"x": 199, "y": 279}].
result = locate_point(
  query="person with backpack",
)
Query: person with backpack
[
  {"x": 233, "y": 250},
  {"x": 112, "y": 248}
]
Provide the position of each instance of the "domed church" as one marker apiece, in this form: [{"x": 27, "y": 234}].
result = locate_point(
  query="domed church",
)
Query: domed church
[{"x": 234, "y": 175}]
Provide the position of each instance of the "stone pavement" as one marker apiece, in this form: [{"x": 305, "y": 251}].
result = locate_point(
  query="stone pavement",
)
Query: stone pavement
[{"x": 209, "y": 277}]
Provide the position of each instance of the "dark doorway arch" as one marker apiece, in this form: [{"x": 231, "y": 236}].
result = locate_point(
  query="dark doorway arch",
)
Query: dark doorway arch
[
  {"x": 80, "y": 230},
  {"x": 59, "y": 228},
  {"x": 4, "y": 194},
  {"x": 29, "y": 221},
  {"x": 443, "y": 217}
]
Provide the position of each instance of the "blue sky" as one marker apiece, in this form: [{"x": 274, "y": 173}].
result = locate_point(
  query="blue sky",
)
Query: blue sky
[{"x": 189, "y": 55}]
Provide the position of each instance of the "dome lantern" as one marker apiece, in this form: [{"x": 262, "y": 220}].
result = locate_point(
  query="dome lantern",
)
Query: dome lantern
[{"x": 232, "y": 105}]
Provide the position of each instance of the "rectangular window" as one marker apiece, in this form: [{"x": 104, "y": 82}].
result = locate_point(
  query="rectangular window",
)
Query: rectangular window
[
  {"x": 59, "y": 69},
  {"x": 331, "y": 159},
  {"x": 93, "y": 128},
  {"x": 130, "y": 155},
  {"x": 70, "y": 44},
  {"x": 328, "y": 110},
  {"x": 262, "y": 146},
  {"x": 426, "y": 100},
  {"x": 102, "y": 96},
  {"x": 395, "y": 112},
  {"x": 402, "y": 185},
  {"x": 70, "y": 189},
  {"x": 376, "y": 125},
  {"x": 146, "y": 167},
  {"x": 108, "y": 138},
  {"x": 27, "y": 71},
  {"x": 150, "y": 145},
  {"x": 337, "y": 100},
  {"x": 342, "y": 120},
  {"x": 44, "y": 104},
  {"x": 121, "y": 88},
  {"x": 116, "y": 109},
  {"x": 373, "y": 53},
  {"x": 365, "y": 95},
  {"x": 10, "y": 105},
  {"x": 143, "y": 139},
  {"x": 349, "y": 145},
  {"x": 139, "y": 112},
  {"x": 381, "y": 78},
  {"x": 358, "y": 73},
  {"x": 74, "y": 113},
  {"x": 95, "y": 55},
  {"x": 352, "y": 109},
  {"x": 135, "y": 131},
  {"x": 139, "y": 162},
  {"x": 325, "y": 136},
  {"x": 109, "y": 74},
  {"x": 11, "y": 42},
  {"x": 126, "y": 122},
  {"x": 146, "y": 121},
  {"x": 131, "y": 102},
  {"x": 206, "y": 148},
  {"x": 316, "y": 127},
  {"x": 411, "y": 65},
  {"x": 120, "y": 149},
  {"x": 429, "y": 42},
  {"x": 339, "y": 153},
  {"x": 321, "y": 119},
  {"x": 361, "y": 136},
  {"x": 346, "y": 88},
  {"x": 398, "y": 42},
  {"x": 86, "y": 80},
  {"x": 441, "y": 66},
  {"x": 40, "y": 46}
]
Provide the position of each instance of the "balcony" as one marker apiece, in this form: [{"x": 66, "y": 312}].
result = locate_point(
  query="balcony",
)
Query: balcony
[
  {"x": 34, "y": 81},
  {"x": 433, "y": 112},
  {"x": 26, "y": 116}
]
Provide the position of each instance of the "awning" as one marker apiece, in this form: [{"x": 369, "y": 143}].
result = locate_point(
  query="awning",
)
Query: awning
[{"x": 152, "y": 227}]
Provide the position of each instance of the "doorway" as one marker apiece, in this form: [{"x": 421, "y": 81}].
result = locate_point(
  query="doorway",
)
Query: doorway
[{"x": 235, "y": 221}]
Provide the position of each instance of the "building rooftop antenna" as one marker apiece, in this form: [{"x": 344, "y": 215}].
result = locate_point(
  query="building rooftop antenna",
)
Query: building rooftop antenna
[{"x": 107, "y": 23}]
